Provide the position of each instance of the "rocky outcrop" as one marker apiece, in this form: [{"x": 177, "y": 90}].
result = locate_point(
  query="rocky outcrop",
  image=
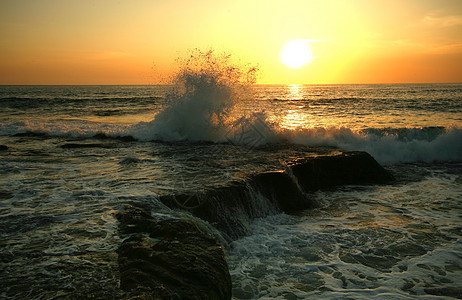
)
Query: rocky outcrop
[
  {"x": 176, "y": 258},
  {"x": 86, "y": 145},
  {"x": 283, "y": 190},
  {"x": 170, "y": 259},
  {"x": 346, "y": 168},
  {"x": 232, "y": 208}
]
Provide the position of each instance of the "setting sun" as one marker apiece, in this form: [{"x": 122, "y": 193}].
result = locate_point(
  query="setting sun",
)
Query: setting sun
[
  {"x": 292, "y": 42},
  {"x": 296, "y": 53}
]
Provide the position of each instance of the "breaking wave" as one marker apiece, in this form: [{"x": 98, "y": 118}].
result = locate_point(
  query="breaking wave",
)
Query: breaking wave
[
  {"x": 203, "y": 108},
  {"x": 205, "y": 105},
  {"x": 389, "y": 146},
  {"x": 200, "y": 108}
]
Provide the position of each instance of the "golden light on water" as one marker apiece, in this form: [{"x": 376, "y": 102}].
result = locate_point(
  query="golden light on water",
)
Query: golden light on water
[
  {"x": 295, "y": 92},
  {"x": 293, "y": 120},
  {"x": 298, "y": 117}
]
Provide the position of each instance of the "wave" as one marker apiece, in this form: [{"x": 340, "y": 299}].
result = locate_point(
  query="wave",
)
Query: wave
[
  {"x": 200, "y": 108},
  {"x": 70, "y": 128},
  {"x": 14, "y": 100},
  {"x": 389, "y": 145},
  {"x": 203, "y": 107},
  {"x": 203, "y": 110}
]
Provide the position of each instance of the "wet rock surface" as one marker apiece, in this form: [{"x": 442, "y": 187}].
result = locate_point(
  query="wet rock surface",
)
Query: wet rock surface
[
  {"x": 232, "y": 208},
  {"x": 177, "y": 258},
  {"x": 325, "y": 172},
  {"x": 170, "y": 259}
]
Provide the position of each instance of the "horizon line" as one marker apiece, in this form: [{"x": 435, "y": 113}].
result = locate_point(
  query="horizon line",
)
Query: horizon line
[{"x": 167, "y": 84}]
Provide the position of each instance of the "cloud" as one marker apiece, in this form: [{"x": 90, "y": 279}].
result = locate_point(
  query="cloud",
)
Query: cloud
[
  {"x": 443, "y": 21},
  {"x": 447, "y": 49}
]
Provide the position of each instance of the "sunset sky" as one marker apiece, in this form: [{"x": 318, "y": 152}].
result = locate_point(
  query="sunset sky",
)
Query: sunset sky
[{"x": 138, "y": 41}]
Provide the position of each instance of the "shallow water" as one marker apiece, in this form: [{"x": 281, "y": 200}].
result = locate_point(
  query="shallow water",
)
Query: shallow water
[{"x": 400, "y": 241}]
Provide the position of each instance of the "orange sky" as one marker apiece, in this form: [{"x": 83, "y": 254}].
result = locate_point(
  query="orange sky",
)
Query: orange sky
[{"x": 137, "y": 41}]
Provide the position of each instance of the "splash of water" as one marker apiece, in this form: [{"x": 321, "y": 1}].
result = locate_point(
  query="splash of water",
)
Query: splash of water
[{"x": 201, "y": 106}]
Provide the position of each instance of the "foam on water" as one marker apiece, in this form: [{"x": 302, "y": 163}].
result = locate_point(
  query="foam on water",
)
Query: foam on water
[
  {"x": 392, "y": 241},
  {"x": 210, "y": 89},
  {"x": 213, "y": 100},
  {"x": 389, "y": 146},
  {"x": 385, "y": 145}
]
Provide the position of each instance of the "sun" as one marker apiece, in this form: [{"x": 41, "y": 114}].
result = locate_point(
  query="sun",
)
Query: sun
[{"x": 296, "y": 53}]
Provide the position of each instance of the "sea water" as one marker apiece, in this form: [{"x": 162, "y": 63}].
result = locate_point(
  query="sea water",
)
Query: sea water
[{"x": 58, "y": 201}]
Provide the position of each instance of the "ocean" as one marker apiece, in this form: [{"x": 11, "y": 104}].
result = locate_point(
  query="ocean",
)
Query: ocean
[{"x": 74, "y": 156}]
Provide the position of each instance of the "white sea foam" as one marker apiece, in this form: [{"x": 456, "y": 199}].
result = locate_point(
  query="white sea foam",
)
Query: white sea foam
[
  {"x": 404, "y": 145},
  {"x": 179, "y": 123},
  {"x": 375, "y": 243}
]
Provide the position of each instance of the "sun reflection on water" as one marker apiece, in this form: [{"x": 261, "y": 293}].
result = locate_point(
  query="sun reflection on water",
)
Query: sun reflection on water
[
  {"x": 298, "y": 116},
  {"x": 295, "y": 92}
]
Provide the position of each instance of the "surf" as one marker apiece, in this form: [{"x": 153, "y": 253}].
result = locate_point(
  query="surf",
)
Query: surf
[
  {"x": 201, "y": 106},
  {"x": 388, "y": 145}
]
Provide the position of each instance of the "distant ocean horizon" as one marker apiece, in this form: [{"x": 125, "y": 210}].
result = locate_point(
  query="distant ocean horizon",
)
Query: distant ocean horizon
[
  {"x": 75, "y": 155},
  {"x": 256, "y": 84}
]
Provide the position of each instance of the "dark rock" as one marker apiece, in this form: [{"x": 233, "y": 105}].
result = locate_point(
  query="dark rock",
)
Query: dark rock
[
  {"x": 85, "y": 145},
  {"x": 454, "y": 291},
  {"x": 3, "y": 147},
  {"x": 175, "y": 261},
  {"x": 326, "y": 172},
  {"x": 136, "y": 220},
  {"x": 6, "y": 194},
  {"x": 232, "y": 208},
  {"x": 127, "y": 138},
  {"x": 102, "y": 136},
  {"x": 282, "y": 189},
  {"x": 32, "y": 134}
]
